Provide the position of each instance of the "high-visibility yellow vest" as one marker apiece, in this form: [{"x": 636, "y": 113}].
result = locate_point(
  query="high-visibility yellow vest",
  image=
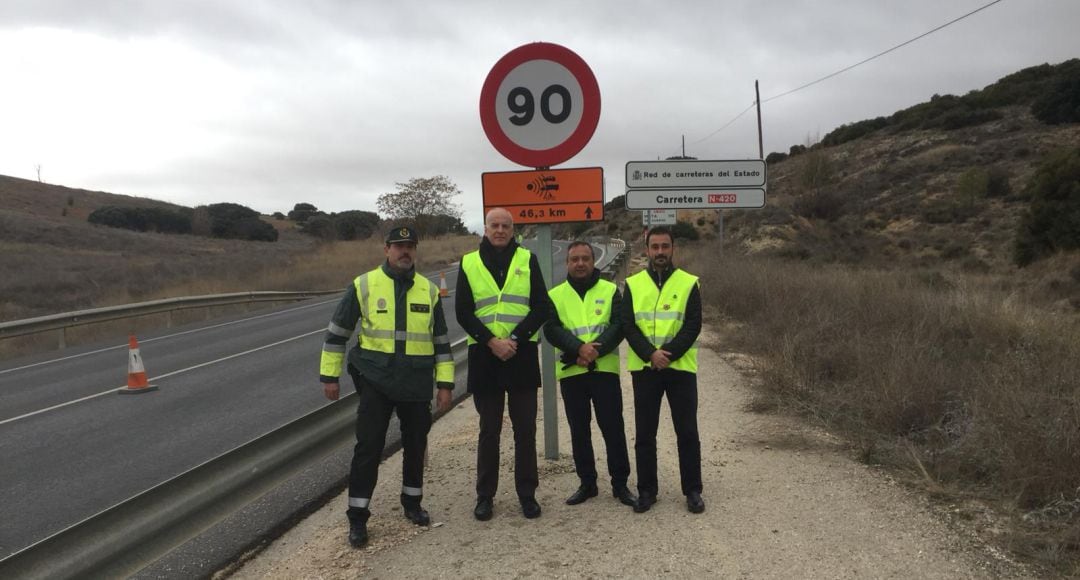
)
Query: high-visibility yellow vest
[
  {"x": 587, "y": 318},
  {"x": 378, "y": 330},
  {"x": 659, "y": 313},
  {"x": 500, "y": 309}
]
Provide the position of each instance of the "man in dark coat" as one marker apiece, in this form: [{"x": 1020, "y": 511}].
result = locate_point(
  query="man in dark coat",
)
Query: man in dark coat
[{"x": 501, "y": 302}]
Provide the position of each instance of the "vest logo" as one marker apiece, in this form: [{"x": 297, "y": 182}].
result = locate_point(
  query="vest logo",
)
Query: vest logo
[
  {"x": 419, "y": 307},
  {"x": 599, "y": 301},
  {"x": 599, "y": 312},
  {"x": 381, "y": 304},
  {"x": 667, "y": 307},
  {"x": 517, "y": 271}
]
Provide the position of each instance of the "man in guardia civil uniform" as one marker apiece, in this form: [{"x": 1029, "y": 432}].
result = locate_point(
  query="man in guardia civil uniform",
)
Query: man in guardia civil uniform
[
  {"x": 402, "y": 352},
  {"x": 661, "y": 317},
  {"x": 584, "y": 329}
]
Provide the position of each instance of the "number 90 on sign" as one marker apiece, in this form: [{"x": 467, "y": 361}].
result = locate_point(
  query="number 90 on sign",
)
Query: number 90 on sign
[{"x": 539, "y": 86}]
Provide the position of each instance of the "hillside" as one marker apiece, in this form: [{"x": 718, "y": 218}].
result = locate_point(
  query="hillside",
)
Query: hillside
[
  {"x": 54, "y": 261},
  {"x": 940, "y": 186}
]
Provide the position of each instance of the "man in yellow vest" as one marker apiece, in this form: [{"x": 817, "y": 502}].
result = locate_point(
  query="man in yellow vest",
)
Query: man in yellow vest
[
  {"x": 661, "y": 317},
  {"x": 501, "y": 302},
  {"x": 402, "y": 352},
  {"x": 587, "y": 333}
]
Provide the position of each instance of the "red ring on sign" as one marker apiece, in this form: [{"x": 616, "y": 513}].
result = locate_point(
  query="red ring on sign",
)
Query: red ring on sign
[{"x": 590, "y": 113}]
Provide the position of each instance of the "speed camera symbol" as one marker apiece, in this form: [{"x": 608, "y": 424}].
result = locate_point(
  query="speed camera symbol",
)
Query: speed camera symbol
[{"x": 543, "y": 186}]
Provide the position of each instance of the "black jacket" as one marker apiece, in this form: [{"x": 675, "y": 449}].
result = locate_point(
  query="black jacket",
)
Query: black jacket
[
  {"x": 683, "y": 340},
  {"x": 486, "y": 371}
]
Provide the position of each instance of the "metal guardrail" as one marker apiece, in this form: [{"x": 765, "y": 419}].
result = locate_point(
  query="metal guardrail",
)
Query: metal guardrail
[
  {"x": 129, "y": 536},
  {"x": 68, "y": 319}
]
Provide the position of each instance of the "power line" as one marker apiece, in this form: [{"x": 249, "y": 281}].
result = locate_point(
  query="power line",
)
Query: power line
[
  {"x": 883, "y": 53},
  {"x": 843, "y": 70}
]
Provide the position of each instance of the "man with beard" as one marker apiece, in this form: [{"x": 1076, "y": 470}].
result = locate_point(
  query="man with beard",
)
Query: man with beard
[
  {"x": 661, "y": 317},
  {"x": 584, "y": 329},
  {"x": 501, "y": 302},
  {"x": 402, "y": 352}
]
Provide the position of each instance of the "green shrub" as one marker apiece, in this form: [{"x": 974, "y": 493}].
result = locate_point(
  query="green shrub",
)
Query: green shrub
[
  {"x": 1052, "y": 221},
  {"x": 822, "y": 204},
  {"x": 143, "y": 219},
  {"x": 685, "y": 231},
  {"x": 775, "y": 157},
  {"x": 852, "y": 131},
  {"x": 973, "y": 184},
  {"x": 1061, "y": 103}
]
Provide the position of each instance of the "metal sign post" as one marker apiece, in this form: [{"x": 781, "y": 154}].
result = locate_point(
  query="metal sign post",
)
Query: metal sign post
[{"x": 547, "y": 353}]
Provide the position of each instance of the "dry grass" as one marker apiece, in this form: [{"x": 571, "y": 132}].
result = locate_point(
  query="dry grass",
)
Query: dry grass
[
  {"x": 52, "y": 272},
  {"x": 965, "y": 386}
]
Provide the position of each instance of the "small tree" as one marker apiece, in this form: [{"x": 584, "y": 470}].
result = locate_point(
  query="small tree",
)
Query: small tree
[
  {"x": 302, "y": 212},
  {"x": 419, "y": 199}
]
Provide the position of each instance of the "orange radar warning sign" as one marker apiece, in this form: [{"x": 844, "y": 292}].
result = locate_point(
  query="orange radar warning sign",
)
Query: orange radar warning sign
[{"x": 547, "y": 196}]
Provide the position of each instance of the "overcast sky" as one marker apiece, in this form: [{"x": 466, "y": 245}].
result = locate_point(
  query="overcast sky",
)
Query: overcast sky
[{"x": 273, "y": 102}]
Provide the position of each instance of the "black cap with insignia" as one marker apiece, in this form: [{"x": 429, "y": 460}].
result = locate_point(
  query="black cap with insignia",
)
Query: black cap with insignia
[{"x": 401, "y": 234}]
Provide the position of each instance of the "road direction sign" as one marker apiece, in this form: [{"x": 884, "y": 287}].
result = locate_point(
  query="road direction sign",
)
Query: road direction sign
[
  {"x": 659, "y": 217},
  {"x": 695, "y": 174},
  {"x": 540, "y": 104},
  {"x": 548, "y": 196},
  {"x": 695, "y": 199}
]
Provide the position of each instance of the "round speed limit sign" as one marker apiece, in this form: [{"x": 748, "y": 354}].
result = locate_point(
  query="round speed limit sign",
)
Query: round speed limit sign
[{"x": 540, "y": 104}]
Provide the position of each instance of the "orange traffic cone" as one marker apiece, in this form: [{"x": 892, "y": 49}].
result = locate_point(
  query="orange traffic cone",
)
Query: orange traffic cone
[
  {"x": 137, "y": 382},
  {"x": 443, "y": 292}
]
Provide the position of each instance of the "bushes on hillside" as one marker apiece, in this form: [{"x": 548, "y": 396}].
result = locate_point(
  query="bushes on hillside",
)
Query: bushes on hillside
[
  {"x": 143, "y": 219},
  {"x": 237, "y": 222},
  {"x": 1052, "y": 221},
  {"x": 684, "y": 230},
  {"x": 1060, "y": 104}
]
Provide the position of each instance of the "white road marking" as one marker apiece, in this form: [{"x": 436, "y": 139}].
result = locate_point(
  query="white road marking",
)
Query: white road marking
[
  {"x": 191, "y": 368},
  {"x": 148, "y": 340}
]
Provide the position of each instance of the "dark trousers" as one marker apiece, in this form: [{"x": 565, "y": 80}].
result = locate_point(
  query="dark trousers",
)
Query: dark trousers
[
  {"x": 372, "y": 420},
  {"x": 489, "y": 404},
  {"x": 580, "y": 393},
  {"x": 681, "y": 389}
]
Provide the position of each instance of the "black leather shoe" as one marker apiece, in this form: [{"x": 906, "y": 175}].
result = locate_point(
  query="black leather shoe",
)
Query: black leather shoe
[
  {"x": 357, "y": 535},
  {"x": 484, "y": 509},
  {"x": 583, "y": 493},
  {"x": 644, "y": 502},
  {"x": 530, "y": 508},
  {"x": 417, "y": 515},
  {"x": 694, "y": 503},
  {"x": 623, "y": 495}
]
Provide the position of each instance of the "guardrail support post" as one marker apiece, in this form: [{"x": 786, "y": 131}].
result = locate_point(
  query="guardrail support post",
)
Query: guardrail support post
[{"x": 62, "y": 343}]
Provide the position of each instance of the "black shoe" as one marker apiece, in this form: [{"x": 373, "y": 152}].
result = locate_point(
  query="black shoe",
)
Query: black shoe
[
  {"x": 583, "y": 493},
  {"x": 530, "y": 508},
  {"x": 358, "y": 534},
  {"x": 484, "y": 508},
  {"x": 622, "y": 493},
  {"x": 417, "y": 515},
  {"x": 644, "y": 502},
  {"x": 694, "y": 503}
]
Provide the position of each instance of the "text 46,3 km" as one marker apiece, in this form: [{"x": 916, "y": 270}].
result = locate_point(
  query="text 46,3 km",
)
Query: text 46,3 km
[{"x": 541, "y": 213}]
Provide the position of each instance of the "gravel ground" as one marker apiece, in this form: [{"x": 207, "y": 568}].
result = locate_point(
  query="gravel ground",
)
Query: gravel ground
[{"x": 783, "y": 501}]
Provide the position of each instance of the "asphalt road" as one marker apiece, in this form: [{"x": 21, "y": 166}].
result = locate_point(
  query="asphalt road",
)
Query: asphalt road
[{"x": 70, "y": 446}]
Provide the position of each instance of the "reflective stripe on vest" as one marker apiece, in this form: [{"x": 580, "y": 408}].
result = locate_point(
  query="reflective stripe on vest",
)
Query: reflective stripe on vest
[
  {"x": 659, "y": 314},
  {"x": 587, "y": 319},
  {"x": 500, "y": 309}
]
